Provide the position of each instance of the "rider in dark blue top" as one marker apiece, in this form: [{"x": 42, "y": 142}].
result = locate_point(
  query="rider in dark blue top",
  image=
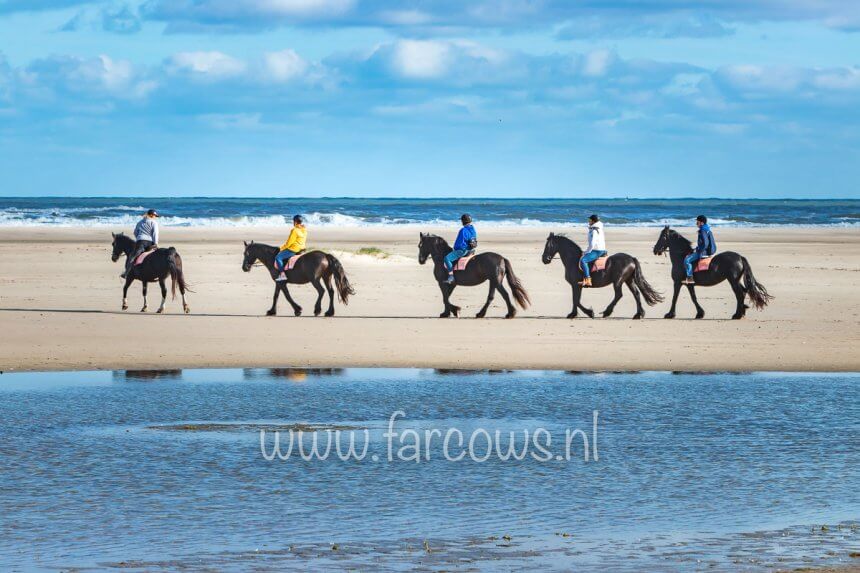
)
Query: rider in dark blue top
[
  {"x": 467, "y": 240},
  {"x": 706, "y": 246}
]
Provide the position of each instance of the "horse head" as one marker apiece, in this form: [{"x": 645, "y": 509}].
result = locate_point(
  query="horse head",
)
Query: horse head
[
  {"x": 250, "y": 257},
  {"x": 662, "y": 244},
  {"x": 550, "y": 250},
  {"x": 426, "y": 245},
  {"x": 117, "y": 245}
]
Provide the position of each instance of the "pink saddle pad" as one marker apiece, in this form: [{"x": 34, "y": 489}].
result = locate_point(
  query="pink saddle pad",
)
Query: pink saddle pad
[
  {"x": 291, "y": 262},
  {"x": 703, "y": 264},
  {"x": 462, "y": 262},
  {"x": 140, "y": 258},
  {"x": 599, "y": 264}
]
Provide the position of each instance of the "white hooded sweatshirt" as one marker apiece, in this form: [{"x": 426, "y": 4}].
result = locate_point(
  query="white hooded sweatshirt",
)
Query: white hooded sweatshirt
[{"x": 596, "y": 238}]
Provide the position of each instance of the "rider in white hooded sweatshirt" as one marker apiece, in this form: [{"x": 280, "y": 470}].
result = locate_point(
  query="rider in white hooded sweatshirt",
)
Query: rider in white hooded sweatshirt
[{"x": 596, "y": 248}]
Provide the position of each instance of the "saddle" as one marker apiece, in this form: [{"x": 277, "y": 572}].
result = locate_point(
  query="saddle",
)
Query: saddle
[
  {"x": 599, "y": 264},
  {"x": 291, "y": 262},
  {"x": 142, "y": 256},
  {"x": 461, "y": 263},
  {"x": 704, "y": 264}
]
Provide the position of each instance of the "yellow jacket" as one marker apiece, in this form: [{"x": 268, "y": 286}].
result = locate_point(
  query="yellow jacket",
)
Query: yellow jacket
[{"x": 296, "y": 241}]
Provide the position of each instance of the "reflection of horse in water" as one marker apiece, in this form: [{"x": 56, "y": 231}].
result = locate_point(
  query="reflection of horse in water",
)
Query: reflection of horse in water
[
  {"x": 725, "y": 266},
  {"x": 155, "y": 266},
  {"x": 621, "y": 269},
  {"x": 491, "y": 267},
  {"x": 315, "y": 267}
]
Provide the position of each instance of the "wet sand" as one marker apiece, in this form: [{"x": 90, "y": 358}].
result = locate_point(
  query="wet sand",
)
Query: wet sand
[{"x": 60, "y": 299}]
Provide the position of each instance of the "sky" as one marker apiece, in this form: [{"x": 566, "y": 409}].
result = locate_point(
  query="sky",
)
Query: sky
[{"x": 427, "y": 98}]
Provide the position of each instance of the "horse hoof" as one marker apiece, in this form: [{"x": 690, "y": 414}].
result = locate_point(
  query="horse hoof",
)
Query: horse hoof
[
  {"x": 187, "y": 310},
  {"x": 737, "y": 316},
  {"x": 511, "y": 315},
  {"x": 445, "y": 315},
  {"x": 637, "y": 317},
  {"x": 329, "y": 313},
  {"x": 700, "y": 316},
  {"x": 669, "y": 315},
  {"x": 571, "y": 315},
  {"x": 317, "y": 312},
  {"x": 590, "y": 313},
  {"x": 271, "y": 312},
  {"x": 125, "y": 307},
  {"x": 298, "y": 311},
  {"x": 481, "y": 315},
  {"x": 143, "y": 309}
]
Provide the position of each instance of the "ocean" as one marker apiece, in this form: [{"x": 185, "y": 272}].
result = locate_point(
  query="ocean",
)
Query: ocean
[{"x": 339, "y": 211}]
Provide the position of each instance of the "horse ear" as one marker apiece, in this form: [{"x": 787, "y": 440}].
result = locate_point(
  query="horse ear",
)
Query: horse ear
[
  {"x": 421, "y": 233},
  {"x": 551, "y": 235},
  {"x": 113, "y": 234},
  {"x": 246, "y": 243}
]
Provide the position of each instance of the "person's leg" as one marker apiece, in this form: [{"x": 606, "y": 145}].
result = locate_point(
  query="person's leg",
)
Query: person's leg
[
  {"x": 139, "y": 247},
  {"x": 689, "y": 261},
  {"x": 282, "y": 258},
  {"x": 449, "y": 261},
  {"x": 585, "y": 262}
]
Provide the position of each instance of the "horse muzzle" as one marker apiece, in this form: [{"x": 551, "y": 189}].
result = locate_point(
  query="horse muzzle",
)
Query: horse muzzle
[
  {"x": 546, "y": 260},
  {"x": 114, "y": 258},
  {"x": 422, "y": 260}
]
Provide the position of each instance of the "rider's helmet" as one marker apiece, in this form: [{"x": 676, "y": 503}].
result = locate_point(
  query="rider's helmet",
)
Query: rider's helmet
[
  {"x": 702, "y": 219},
  {"x": 466, "y": 219},
  {"x": 594, "y": 218},
  {"x": 152, "y": 213},
  {"x": 298, "y": 219}
]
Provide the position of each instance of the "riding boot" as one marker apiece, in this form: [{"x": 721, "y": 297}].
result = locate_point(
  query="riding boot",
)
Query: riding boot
[
  {"x": 450, "y": 279},
  {"x": 585, "y": 282},
  {"x": 688, "y": 281}
]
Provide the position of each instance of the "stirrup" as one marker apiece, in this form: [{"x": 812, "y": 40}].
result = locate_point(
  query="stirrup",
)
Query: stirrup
[
  {"x": 281, "y": 277},
  {"x": 688, "y": 281}
]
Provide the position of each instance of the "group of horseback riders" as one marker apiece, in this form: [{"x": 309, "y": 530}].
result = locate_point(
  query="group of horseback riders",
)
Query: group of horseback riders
[
  {"x": 458, "y": 265},
  {"x": 146, "y": 238}
]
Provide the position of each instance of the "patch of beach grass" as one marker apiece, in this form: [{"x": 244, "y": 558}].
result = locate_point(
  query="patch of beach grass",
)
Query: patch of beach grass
[{"x": 373, "y": 252}]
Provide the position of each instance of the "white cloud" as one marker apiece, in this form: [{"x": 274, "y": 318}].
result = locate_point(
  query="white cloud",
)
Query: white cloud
[
  {"x": 215, "y": 65},
  {"x": 421, "y": 59},
  {"x": 283, "y": 66},
  {"x": 300, "y": 8},
  {"x": 597, "y": 63}
]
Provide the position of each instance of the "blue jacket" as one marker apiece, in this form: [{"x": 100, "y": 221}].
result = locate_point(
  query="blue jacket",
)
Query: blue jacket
[
  {"x": 707, "y": 246},
  {"x": 465, "y": 235}
]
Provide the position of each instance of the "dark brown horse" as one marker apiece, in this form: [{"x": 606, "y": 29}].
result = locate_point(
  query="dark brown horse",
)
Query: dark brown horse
[
  {"x": 727, "y": 265},
  {"x": 155, "y": 267},
  {"x": 620, "y": 269},
  {"x": 484, "y": 267},
  {"x": 315, "y": 267}
]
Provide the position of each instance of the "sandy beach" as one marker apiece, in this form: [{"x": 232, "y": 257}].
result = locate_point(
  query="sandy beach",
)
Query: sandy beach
[{"x": 60, "y": 299}]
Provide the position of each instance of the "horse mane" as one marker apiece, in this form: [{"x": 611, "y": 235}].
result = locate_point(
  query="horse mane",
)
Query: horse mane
[{"x": 567, "y": 240}]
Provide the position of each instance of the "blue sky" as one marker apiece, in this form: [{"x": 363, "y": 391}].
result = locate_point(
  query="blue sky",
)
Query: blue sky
[{"x": 513, "y": 98}]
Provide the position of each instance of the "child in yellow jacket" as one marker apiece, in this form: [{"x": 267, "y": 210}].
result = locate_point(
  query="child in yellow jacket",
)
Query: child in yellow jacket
[{"x": 294, "y": 244}]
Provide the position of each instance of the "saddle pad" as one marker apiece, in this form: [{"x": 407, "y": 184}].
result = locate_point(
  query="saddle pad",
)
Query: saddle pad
[
  {"x": 703, "y": 264},
  {"x": 291, "y": 262},
  {"x": 462, "y": 262},
  {"x": 599, "y": 264},
  {"x": 140, "y": 258}
]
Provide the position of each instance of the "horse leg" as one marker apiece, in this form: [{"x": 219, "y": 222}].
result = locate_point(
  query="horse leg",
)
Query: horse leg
[
  {"x": 445, "y": 294},
  {"x": 671, "y": 313},
  {"x": 274, "y": 310},
  {"x": 512, "y": 310},
  {"x": 297, "y": 310},
  {"x": 144, "y": 297},
  {"x": 741, "y": 310},
  {"x": 640, "y": 312},
  {"x": 618, "y": 293},
  {"x": 700, "y": 312},
  {"x": 576, "y": 294},
  {"x": 320, "y": 292},
  {"x": 577, "y": 302},
  {"x": 163, "y": 295},
  {"x": 455, "y": 310},
  {"x": 128, "y": 281},
  {"x": 330, "y": 289},
  {"x": 483, "y": 312}
]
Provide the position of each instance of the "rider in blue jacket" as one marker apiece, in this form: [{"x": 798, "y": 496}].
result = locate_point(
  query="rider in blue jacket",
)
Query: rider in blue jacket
[
  {"x": 705, "y": 247},
  {"x": 467, "y": 240}
]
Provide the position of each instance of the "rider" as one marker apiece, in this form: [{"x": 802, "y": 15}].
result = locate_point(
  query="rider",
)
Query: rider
[
  {"x": 295, "y": 244},
  {"x": 596, "y": 249},
  {"x": 145, "y": 238},
  {"x": 467, "y": 240},
  {"x": 706, "y": 247}
]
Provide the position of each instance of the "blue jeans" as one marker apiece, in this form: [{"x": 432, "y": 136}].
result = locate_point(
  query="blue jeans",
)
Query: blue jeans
[
  {"x": 452, "y": 257},
  {"x": 282, "y": 258},
  {"x": 689, "y": 261},
  {"x": 587, "y": 259}
]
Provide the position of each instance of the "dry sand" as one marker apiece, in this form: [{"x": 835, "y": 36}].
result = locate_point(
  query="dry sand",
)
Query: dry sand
[{"x": 60, "y": 301}]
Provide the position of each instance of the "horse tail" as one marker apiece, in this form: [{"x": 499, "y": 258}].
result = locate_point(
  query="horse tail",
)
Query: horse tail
[
  {"x": 519, "y": 292},
  {"x": 650, "y": 295},
  {"x": 344, "y": 289},
  {"x": 174, "y": 265},
  {"x": 758, "y": 294}
]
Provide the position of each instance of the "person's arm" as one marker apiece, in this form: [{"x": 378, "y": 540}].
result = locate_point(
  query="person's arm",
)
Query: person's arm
[{"x": 154, "y": 233}]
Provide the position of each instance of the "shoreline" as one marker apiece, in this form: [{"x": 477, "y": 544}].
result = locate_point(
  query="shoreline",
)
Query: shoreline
[{"x": 392, "y": 321}]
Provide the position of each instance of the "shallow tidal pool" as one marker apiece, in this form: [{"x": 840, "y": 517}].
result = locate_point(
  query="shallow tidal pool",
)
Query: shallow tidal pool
[{"x": 649, "y": 471}]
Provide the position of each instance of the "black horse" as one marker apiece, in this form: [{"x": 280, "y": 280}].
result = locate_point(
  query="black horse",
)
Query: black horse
[
  {"x": 155, "y": 267},
  {"x": 315, "y": 267},
  {"x": 727, "y": 265},
  {"x": 491, "y": 267},
  {"x": 620, "y": 269}
]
